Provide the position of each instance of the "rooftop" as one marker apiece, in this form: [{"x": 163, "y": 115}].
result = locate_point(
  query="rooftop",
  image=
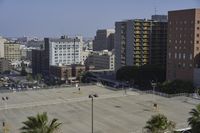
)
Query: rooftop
[{"x": 114, "y": 112}]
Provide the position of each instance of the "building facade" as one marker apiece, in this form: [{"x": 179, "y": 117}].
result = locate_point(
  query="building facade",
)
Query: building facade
[
  {"x": 12, "y": 51},
  {"x": 65, "y": 51},
  {"x": 183, "y": 48},
  {"x": 101, "y": 60},
  {"x": 68, "y": 72},
  {"x": 61, "y": 72},
  {"x": 158, "y": 46},
  {"x": 104, "y": 40},
  {"x": 4, "y": 65},
  {"x": 139, "y": 42},
  {"x": 56, "y": 52},
  {"x": 84, "y": 56},
  {"x": 37, "y": 62},
  {"x": 2, "y": 41}
]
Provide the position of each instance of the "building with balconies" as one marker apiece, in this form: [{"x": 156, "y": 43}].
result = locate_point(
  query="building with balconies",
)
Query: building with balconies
[{"x": 139, "y": 42}]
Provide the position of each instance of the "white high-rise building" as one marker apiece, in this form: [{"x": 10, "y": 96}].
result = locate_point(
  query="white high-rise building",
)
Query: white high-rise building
[
  {"x": 2, "y": 41},
  {"x": 65, "y": 51}
]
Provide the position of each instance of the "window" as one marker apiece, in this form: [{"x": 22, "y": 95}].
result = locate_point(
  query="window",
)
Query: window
[
  {"x": 197, "y": 28},
  {"x": 197, "y": 42},
  {"x": 183, "y": 55},
  {"x": 190, "y": 65},
  {"x": 179, "y": 56},
  {"x": 197, "y": 35},
  {"x": 197, "y": 48},
  {"x": 190, "y": 56},
  {"x": 175, "y": 55},
  {"x": 185, "y": 22},
  {"x": 198, "y": 22},
  {"x": 169, "y": 55},
  {"x": 183, "y": 64},
  {"x": 175, "y": 47},
  {"x": 179, "y": 64}
]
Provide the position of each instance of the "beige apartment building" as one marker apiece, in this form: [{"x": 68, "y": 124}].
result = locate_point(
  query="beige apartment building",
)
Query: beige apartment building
[
  {"x": 183, "y": 47},
  {"x": 12, "y": 51},
  {"x": 2, "y": 41}
]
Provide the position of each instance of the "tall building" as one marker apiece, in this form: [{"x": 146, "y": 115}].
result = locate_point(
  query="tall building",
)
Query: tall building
[
  {"x": 38, "y": 65},
  {"x": 12, "y": 51},
  {"x": 139, "y": 42},
  {"x": 183, "y": 48},
  {"x": 159, "y": 41},
  {"x": 2, "y": 41},
  {"x": 65, "y": 51},
  {"x": 104, "y": 40},
  {"x": 159, "y": 18},
  {"x": 62, "y": 51}
]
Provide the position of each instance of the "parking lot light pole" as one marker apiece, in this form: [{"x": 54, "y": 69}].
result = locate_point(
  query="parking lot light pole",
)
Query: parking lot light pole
[
  {"x": 5, "y": 99},
  {"x": 92, "y": 118},
  {"x": 153, "y": 84}
]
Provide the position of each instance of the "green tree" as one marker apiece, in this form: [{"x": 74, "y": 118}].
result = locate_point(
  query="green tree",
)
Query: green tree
[
  {"x": 194, "y": 120},
  {"x": 23, "y": 69},
  {"x": 142, "y": 75},
  {"x": 38, "y": 77},
  {"x": 29, "y": 77},
  {"x": 40, "y": 124},
  {"x": 159, "y": 124},
  {"x": 176, "y": 86}
]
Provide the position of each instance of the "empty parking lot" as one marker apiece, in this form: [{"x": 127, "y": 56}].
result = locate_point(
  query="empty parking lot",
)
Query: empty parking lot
[{"x": 114, "y": 112}]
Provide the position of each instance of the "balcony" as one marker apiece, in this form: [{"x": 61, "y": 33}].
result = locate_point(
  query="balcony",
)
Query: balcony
[
  {"x": 137, "y": 32},
  {"x": 145, "y": 52},
  {"x": 137, "y": 57},
  {"x": 137, "y": 24}
]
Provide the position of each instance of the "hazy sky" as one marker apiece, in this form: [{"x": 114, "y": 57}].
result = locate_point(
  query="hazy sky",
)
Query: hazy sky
[{"x": 76, "y": 17}]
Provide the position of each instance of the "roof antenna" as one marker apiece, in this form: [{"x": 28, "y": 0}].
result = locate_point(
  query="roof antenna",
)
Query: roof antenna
[{"x": 155, "y": 9}]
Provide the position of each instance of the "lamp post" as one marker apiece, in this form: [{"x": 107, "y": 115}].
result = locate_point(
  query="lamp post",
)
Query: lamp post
[
  {"x": 153, "y": 84},
  {"x": 5, "y": 99},
  {"x": 92, "y": 96}
]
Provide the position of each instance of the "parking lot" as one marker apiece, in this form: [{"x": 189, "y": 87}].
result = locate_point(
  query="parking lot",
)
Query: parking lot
[{"x": 114, "y": 112}]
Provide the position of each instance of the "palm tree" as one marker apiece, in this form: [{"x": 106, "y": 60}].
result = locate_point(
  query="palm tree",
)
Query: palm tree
[
  {"x": 40, "y": 124},
  {"x": 194, "y": 120},
  {"x": 159, "y": 124}
]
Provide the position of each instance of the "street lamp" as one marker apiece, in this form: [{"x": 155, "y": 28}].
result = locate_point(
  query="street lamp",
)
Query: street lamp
[
  {"x": 92, "y": 96},
  {"x": 154, "y": 84},
  {"x": 5, "y": 99}
]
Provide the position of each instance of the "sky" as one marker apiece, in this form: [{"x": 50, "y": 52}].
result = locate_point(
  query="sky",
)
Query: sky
[{"x": 50, "y": 18}]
